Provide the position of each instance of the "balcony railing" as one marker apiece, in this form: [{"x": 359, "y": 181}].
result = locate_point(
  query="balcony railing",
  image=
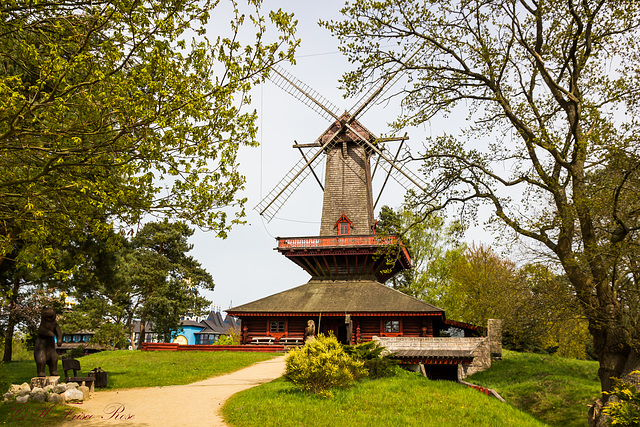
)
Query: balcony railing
[
  {"x": 320, "y": 242},
  {"x": 340, "y": 241}
]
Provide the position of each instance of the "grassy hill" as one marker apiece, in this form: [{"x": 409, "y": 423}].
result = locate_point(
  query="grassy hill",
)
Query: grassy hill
[
  {"x": 554, "y": 389},
  {"x": 405, "y": 400}
]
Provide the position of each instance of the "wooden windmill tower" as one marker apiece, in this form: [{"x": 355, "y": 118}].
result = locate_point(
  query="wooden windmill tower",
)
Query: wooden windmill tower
[
  {"x": 346, "y": 294},
  {"x": 348, "y": 204}
]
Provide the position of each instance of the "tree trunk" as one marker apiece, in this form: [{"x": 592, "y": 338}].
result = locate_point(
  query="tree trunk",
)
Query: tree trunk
[
  {"x": 132, "y": 336},
  {"x": 11, "y": 322},
  {"x": 616, "y": 357},
  {"x": 8, "y": 339},
  {"x": 142, "y": 331}
]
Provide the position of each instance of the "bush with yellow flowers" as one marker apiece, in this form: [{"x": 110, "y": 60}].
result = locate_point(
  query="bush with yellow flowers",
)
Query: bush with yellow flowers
[{"x": 321, "y": 365}]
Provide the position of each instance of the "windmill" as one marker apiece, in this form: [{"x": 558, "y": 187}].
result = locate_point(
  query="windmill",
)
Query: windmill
[{"x": 349, "y": 149}]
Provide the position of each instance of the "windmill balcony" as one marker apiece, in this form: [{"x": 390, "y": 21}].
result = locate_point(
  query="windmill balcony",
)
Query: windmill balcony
[{"x": 338, "y": 241}]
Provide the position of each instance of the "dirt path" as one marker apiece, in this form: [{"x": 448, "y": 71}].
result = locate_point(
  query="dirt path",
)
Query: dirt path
[{"x": 182, "y": 405}]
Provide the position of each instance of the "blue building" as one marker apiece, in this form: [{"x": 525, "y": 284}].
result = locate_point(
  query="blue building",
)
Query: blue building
[{"x": 206, "y": 331}]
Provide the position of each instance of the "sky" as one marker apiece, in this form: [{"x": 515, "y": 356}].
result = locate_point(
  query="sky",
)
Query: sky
[{"x": 245, "y": 266}]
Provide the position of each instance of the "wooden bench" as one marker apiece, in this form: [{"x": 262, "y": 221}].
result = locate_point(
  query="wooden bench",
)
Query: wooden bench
[
  {"x": 263, "y": 340},
  {"x": 290, "y": 341},
  {"x": 74, "y": 365}
]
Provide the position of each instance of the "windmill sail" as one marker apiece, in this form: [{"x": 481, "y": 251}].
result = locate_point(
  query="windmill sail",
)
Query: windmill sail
[
  {"x": 303, "y": 93},
  {"x": 272, "y": 203}
]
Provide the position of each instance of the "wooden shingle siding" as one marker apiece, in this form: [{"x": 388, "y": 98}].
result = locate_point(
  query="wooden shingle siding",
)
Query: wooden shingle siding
[{"x": 347, "y": 189}]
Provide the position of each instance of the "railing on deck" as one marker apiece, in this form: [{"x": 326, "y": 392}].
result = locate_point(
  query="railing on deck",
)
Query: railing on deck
[
  {"x": 339, "y": 241},
  {"x": 316, "y": 242}
]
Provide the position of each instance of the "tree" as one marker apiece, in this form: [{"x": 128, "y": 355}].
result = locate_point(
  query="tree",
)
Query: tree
[
  {"x": 555, "y": 84},
  {"x": 148, "y": 277},
  {"x": 110, "y": 335},
  {"x": 113, "y": 110},
  {"x": 536, "y": 306},
  {"x": 433, "y": 247},
  {"x": 162, "y": 280}
]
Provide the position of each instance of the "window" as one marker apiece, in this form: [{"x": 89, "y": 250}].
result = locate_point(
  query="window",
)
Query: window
[
  {"x": 344, "y": 225},
  {"x": 150, "y": 337},
  {"x": 66, "y": 338},
  {"x": 392, "y": 326},
  {"x": 344, "y": 228},
  {"x": 276, "y": 326},
  {"x": 206, "y": 339}
]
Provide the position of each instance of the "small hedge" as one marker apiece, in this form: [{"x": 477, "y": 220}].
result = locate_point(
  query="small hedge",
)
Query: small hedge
[
  {"x": 370, "y": 353},
  {"x": 321, "y": 365}
]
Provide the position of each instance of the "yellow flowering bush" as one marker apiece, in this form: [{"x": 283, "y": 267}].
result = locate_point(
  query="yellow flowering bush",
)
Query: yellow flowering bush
[
  {"x": 321, "y": 365},
  {"x": 625, "y": 410}
]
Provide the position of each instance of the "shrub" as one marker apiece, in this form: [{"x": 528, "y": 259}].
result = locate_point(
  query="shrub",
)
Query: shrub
[
  {"x": 227, "y": 340},
  {"x": 321, "y": 365},
  {"x": 370, "y": 353},
  {"x": 625, "y": 410},
  {"x": 74, "y": 353}
]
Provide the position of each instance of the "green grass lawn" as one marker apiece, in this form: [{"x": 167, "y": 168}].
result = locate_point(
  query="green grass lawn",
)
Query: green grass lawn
[
  {"x": 404, "y": 400},
  {"x": 554, "y": 389},
  {"x": 127, "y": 369}
]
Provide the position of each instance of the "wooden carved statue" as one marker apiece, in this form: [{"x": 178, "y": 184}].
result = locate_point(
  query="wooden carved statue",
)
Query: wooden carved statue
[
  {"x": 310, "y": 331},
  {"x": 44, "y": 351},
  {"x": 244, "y": 335}
]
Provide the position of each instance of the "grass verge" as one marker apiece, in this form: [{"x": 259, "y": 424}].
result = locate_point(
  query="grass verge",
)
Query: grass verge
[
  {"x": 405, "y": 400},
  {"x": 554, "y": 389},
  {"x": 36, "y": 414}
]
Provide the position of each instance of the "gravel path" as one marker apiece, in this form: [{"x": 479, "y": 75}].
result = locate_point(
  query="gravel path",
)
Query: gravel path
[{"x": 181, "y": 405}]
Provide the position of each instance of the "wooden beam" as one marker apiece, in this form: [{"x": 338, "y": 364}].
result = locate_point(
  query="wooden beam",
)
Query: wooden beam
[
  {"x": 327, "y": 264},
  {"x": 309, "y": 145},
  {"x": 393, "y": 138},
  {"x": 312, "y": 171},
  {"x": 386, "y": 178},
  {"x": 310, "y": 267}
]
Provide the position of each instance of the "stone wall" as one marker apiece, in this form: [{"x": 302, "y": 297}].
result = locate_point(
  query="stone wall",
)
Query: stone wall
[
  {"x": 481, "y": 359},
  {"x": 478, "y": 347}
]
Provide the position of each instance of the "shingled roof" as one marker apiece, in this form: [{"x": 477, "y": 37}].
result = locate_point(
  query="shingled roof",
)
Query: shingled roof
[{"x": 326, "y": 296}]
